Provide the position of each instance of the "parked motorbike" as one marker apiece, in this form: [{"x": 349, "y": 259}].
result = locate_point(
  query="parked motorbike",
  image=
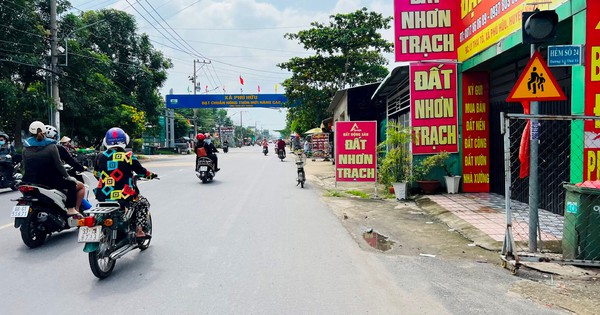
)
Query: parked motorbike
[
  {"x": 109, "y": 233},
  {"x": 225, "y": 147},
  {"x": 300, "y": 160},
  {"x": 41, "y": 211},
  {"x": 265, "y": 150},
  {"x": 10, "y": 176},
  {"x": 205, "y": 169}
]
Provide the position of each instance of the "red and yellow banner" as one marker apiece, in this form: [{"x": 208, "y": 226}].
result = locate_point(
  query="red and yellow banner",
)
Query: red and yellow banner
[
  {"x": 591, "y": 151},
  {"x": 434, "y": 113},
  {"x": 356, "y": 151},
  {"x": 475, "y": 132},
  {"x": 485, "y": 22},
  {"x": 425, "y": 29}
]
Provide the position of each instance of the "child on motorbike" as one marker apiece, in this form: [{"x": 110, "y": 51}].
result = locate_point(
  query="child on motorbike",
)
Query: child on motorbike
[{"x": 115, "y": 170}]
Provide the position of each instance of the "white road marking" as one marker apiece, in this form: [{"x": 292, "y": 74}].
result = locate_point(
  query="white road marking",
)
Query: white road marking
[{"x": 7, "y": 225}]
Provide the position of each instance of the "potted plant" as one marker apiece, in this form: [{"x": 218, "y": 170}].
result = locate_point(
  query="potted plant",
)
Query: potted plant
[
  {"x": 452, "y": 181},
  {"x": 395, "y": 167},
  {"x": 423, "y": 171}
]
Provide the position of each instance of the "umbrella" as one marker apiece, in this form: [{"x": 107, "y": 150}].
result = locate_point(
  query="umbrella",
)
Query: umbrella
[{"x": 314, "y": 130}]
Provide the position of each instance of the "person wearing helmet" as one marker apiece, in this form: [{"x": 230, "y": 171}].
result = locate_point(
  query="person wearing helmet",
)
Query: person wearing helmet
[
  {"x": 115, "y": 170},
  {"x": 44, "y": 167},
  {"x": 6, "y": 169},
  {"x": 67, "y": 158},
  {"x": 204, "y": 148},
  {"x": 281, "y": 146}
]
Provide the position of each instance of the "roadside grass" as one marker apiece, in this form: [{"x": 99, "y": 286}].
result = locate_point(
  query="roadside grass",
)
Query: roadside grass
[
  {"x": 333, "y": 193},
  {"x": 358, "y": 193}
]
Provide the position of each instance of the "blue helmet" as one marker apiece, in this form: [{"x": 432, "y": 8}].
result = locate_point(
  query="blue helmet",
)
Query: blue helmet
[{"x": 115, "y": 137}]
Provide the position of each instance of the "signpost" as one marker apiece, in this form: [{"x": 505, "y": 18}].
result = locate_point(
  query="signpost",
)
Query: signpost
[{"x": 356, "y": 151}]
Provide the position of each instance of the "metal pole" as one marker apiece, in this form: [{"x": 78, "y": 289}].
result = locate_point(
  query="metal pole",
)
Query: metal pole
[
  {"x": 195, "y": 109},
  {"x": 507, "y": 245},
  {"x": 533, "y": 174},
  {"x": 55, "y": 118}
]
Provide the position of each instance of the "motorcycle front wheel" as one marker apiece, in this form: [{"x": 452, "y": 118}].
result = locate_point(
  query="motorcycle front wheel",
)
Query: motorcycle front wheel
[
  {"x": 100, "y": 262},
  {"x": 31, "y": 235}
]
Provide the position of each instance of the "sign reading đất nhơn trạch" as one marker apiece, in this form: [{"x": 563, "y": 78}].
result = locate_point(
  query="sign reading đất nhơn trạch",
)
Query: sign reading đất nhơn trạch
[
  {"x": 591, "y": 149},
  {"x": 434, "y": 111},
  {"x": 355, "y": 151}
]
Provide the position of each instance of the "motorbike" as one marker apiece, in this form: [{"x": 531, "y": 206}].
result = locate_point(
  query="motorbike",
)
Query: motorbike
[
  {"x": 205, "y": 169},
  {"x": 281, "y": 154},
  {"x": 265, "y": 150},
  {"x": 109, "y": 232},
  {"x": 225, "y": 147},
  {"x": 10, "y": 176},
  {"x": 300, "y": 160},
  {"x": 41, "y": 211}
]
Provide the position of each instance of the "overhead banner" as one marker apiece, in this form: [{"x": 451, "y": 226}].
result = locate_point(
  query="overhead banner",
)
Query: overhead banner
[
  {"x": 224, "y": 100},
  {"x": 434, "y": 110},
  {"x": 591, "y": 150},
  {"x": 485, "y": 22},
  {"x": 475, "y": 132},
  {"x": 356, "y": 151},
  {"x": 425, "y": 29}
]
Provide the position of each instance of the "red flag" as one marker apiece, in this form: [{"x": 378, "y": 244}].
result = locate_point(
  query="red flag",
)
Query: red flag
[
  {"x": 524, "y": 148},
  {"x": 207, "y": 89},
  {"x": 241, "y": 80},
  {"x": 259, "y": 89}
]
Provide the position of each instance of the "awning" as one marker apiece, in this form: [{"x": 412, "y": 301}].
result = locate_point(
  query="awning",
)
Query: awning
[{"x": 391, "y": 81}]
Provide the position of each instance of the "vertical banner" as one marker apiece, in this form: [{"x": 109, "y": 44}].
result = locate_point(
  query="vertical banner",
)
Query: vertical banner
[
  {"x": 434, "y": 110},
  {"x": 591, "y": 151},
  {"x": 475, "y": 132},
  {"x": 320, "y": 145},
  {"x": 425, "y": 29},
  {"x": 356, "y": 151}
]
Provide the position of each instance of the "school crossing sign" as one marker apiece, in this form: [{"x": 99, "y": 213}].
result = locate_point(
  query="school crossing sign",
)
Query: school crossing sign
[{"x": 536, "y": 83}]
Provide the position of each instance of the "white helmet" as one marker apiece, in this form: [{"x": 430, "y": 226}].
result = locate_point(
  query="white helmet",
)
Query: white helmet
[
  {"x": 51, "y": 132},
  {"x": 35, "y": 126}
]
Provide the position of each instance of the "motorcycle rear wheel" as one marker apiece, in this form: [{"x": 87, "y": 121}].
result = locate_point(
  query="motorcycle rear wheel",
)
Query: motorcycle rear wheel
[
  {"x": 144, "y": 244},
  {"x": 100, "y": 262},
  {"x": 31, "y": 236}
]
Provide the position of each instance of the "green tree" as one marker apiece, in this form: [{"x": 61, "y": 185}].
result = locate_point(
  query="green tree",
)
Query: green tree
[{"x": 347, "y": 52}]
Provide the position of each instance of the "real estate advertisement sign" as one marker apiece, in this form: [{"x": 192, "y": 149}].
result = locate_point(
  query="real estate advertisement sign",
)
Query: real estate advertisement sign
[
  {"x": 483, "y": 23},
  {"x": 434, "y": 110},
  {"x": 425, "y": 30},
  {"x": 475, "y": 132},
  {"x": 356, "y": 151},
  {"x": 591, "y": 151}
]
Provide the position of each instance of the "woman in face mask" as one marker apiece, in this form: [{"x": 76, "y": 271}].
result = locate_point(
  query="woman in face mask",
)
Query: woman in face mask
[{"x": 5, "y": 147}]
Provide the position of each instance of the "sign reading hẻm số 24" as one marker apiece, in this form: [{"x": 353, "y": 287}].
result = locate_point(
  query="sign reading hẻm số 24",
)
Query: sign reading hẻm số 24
[
  {"x": 356, "y": 151},
  {"x": 425, "y": 29},
  {"x": 475, "y": 141},
  {"x": 483, "y": 23},
  {"x": 434, "y": 113}
]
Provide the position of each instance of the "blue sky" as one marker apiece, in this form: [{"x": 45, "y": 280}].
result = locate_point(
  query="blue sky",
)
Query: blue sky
[{"x": 239, "y": 37}]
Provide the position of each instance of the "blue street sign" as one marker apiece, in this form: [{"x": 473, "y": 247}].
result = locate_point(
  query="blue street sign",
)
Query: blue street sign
[
  {"x": 565, "y": 55},
  {"x": 225, "y": 100}
]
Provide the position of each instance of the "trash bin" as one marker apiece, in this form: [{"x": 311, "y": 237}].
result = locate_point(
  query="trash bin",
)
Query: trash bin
[{"x": 581, "y": 230}]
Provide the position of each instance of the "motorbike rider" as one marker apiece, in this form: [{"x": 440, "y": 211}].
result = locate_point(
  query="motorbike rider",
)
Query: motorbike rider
[
  {"x": 208, "y": 151},
  {"x": 43, "y": 165},
  {"x": 67, "y": 158},
  {"x": 66, "y": 143},
  {"x": 281, "y": 145},
  {"x": 115, "y": 169},
  {"x": 6, "y": 149},
  {"x": 265, "y": 144}
]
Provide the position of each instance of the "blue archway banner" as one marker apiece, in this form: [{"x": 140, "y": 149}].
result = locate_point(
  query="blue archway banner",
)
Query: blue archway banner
[{"x": 225, "y": 100}]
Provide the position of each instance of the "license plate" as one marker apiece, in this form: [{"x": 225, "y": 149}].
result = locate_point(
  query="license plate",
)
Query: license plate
[
  {"x": 89, "y": 234},
  {"x": 203, "y": 168},
  {"x": 19, "y": 212}
]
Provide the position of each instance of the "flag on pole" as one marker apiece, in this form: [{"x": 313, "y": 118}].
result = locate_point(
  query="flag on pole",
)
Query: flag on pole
[
  {"x": 241, "y": 80},
  {"x": 207, "y": 89},
  {"x": 259, "y": 89},
  {"x": 189, "y": 89},
  {"x": 276, "y": 85},
  {"x": 224, "y": 90}
]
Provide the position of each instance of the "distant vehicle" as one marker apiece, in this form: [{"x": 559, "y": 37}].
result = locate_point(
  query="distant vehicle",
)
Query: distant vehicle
[{"x": 184, "y": 145}]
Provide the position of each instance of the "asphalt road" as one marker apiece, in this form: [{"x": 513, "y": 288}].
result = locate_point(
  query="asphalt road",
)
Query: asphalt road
[{"x": 251, "y": 242}]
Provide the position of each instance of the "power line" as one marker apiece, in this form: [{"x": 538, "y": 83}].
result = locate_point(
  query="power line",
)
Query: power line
[
  {"x": 247, "y": 47},
  {"x": 237, "y": 29}
]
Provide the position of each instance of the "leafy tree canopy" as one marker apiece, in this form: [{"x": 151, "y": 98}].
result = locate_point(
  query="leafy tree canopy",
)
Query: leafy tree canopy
[{"x": 347, "y": 52}]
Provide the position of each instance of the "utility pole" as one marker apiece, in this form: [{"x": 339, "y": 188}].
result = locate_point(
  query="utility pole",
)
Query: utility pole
[
  {"x": 55, "y": 116},
  {"x": 193, "y": 78}
]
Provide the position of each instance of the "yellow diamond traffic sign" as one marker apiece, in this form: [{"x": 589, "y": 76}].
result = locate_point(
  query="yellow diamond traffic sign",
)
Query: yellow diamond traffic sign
[{"x": 536, "y": 83}]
